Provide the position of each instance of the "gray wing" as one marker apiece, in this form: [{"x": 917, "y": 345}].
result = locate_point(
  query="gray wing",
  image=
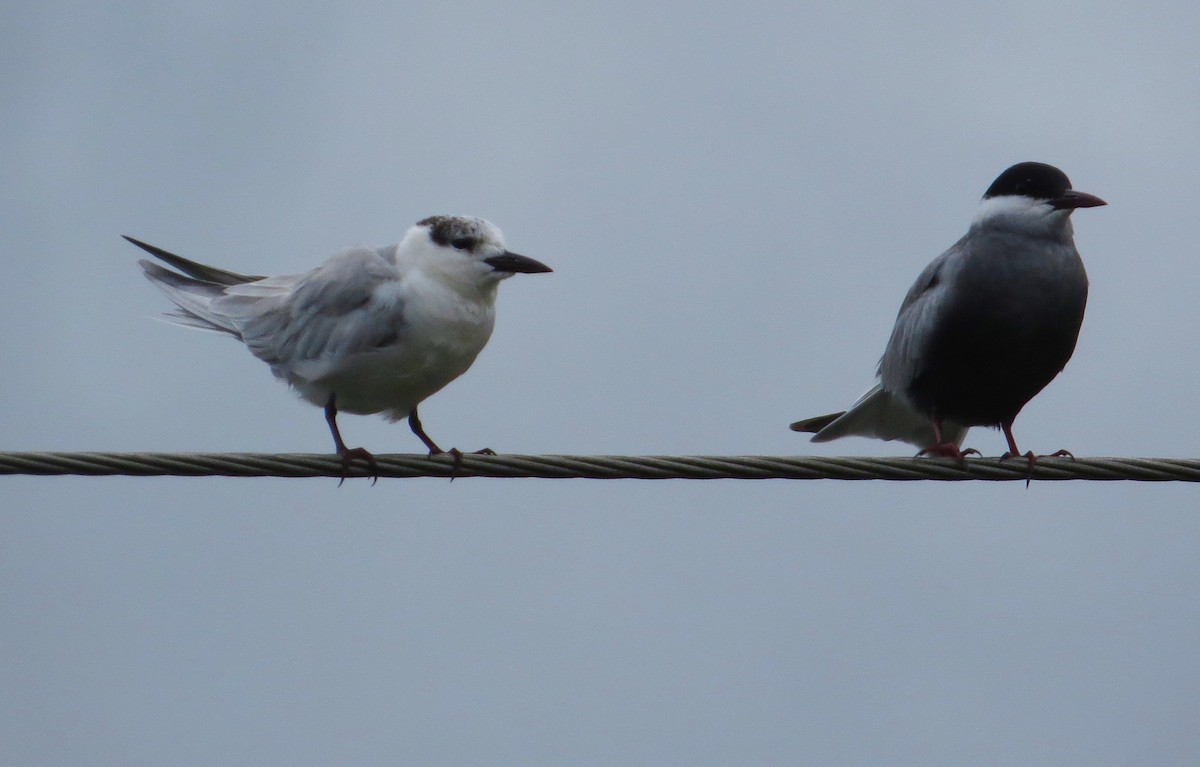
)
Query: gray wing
[
  {"x": 300, "y": 323},
  {"x": 883, "y": 412},
  {"x": 192, "y": 289},
  {"x": 916, "y": 320}
]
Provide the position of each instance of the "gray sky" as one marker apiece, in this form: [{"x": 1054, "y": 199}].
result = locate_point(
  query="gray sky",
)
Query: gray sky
[{"x": 734, "y": 199}]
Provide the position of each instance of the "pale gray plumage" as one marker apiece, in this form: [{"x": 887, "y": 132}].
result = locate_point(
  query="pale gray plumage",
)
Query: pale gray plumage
[
  {"x": 371, "y": 330},
  {"x": 879, "y": 414}
]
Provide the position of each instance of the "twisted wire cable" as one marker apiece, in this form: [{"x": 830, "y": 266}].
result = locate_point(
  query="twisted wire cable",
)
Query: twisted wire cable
[{"x": 407, "y": 466}]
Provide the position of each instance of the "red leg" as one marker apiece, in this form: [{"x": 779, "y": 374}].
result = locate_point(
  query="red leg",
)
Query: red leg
[
  {"x": 414, "y": 423},
  {"x": 944, "y": 449},
  {"x": 347, "y": 454},
  {"x": 1014, "y": 452}
]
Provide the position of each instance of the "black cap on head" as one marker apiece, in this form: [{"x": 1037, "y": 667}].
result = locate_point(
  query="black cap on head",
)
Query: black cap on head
[
  {"x": 459, "y": 232},
  {"x": 1030, "y": 179}
]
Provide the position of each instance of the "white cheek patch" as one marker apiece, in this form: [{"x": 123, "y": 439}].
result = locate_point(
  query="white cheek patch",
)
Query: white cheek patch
[
  {"x": 1010, "y": 206},
  {"x": 1035, "y": 217}
]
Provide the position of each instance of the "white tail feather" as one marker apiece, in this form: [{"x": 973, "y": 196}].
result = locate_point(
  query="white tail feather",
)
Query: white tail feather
[{"x": 880, "y": 415}]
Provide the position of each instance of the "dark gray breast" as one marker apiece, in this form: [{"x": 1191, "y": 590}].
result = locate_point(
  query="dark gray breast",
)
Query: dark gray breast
[{"x": 1008, "y": 326}]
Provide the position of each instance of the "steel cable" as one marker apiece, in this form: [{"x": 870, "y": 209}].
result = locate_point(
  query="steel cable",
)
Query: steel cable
[{"x": 401, "y": 465}]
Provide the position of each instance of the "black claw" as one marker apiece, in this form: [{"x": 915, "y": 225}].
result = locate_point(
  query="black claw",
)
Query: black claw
[
  {"x": 458, "y": 457},
  {"x": 349, "y": 454},
  {"x": 1032, "y": 457}
]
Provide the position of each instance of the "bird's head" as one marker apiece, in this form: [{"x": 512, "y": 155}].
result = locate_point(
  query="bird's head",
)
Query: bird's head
[
  {"x": 466, "y": 250},
  {"x": 1034, "y": 197}
]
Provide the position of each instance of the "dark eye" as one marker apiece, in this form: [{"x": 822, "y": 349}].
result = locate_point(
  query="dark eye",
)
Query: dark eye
[{"x": 463, "y": 243}]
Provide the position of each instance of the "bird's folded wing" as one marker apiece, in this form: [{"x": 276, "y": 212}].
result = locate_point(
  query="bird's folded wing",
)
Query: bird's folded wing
[
  {"x": 326, "y": 314},
  {"x": 915, "y": 322}
]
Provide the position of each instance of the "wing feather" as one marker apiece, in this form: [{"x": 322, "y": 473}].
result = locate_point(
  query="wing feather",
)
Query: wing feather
[
  {"x": 298, "y": 323},
  {"x": 883, "y": 412},
  {"x": 918, "y": 316}
]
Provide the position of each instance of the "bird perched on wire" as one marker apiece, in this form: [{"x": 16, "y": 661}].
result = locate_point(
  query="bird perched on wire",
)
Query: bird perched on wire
[
  {"x": 371, "y": 330},
  {"x": 986, "y": 325}
]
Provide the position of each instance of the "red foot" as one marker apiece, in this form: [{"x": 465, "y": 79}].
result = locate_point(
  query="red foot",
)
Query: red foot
[
  {"x": 944, "y": 449},
  {"x": 458, "y": 457},
  {"x": 947, "y": 450},
  {"x": 349, "y": 454},
  {"x": 1032, "y": 457}
]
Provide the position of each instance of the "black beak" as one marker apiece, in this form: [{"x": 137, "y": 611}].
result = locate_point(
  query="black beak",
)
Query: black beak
[
  {"x": 516, "y": 263},
  {"x": 1072, "y": 199}
]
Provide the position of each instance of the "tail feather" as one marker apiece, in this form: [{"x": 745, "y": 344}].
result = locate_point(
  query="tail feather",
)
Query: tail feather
[
  {"x": 880, "y": 415},
  {"x": 194, "y": 298},
  {"x": 816, "y": 423},
  {"x": 194, "y": 269}
]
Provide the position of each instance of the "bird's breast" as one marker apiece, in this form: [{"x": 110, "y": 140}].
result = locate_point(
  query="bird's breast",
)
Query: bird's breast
[{"x": 1007, "y": 327}]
